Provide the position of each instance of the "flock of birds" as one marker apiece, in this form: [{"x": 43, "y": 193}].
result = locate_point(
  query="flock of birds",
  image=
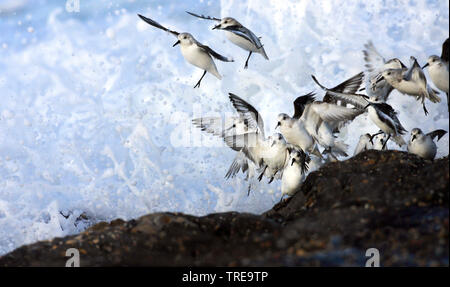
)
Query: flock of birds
[{"x": 289, "y": 154}]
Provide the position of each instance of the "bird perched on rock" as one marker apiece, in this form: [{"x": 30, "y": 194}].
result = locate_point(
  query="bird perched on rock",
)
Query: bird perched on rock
[
  {"x": 422, "y": 144},
  {"x": 438, "y": 69}
]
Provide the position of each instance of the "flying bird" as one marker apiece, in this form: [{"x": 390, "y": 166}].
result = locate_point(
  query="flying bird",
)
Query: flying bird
[
  {"x": 238, "y": 35},
  {"x": 375, "y": 65},
  {"x": 382, "y": 114},
  {"x": 193, "y": 51},
  {"x": 412, "y": 82}
]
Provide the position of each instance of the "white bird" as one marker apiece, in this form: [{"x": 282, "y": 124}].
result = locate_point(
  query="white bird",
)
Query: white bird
[
  {"x": 321, "y": 119},
  {"x": 379, "y": 141},
  {"x": 193, "y": 51},
  {"x": 412, "y": 82},
  {"x": 382, "y": 114},
  {"x": 269, "y": 154},
  {"x": 294, "y": 173},
  {"x": 375, "y": 65},
  {"x": 438, "y": 69},
  {"x": 364, "y": 143},
  {"x": 422, "y": 144},
  {"x": 238, "y": 35},
  {"x": 295, "y": 133}
]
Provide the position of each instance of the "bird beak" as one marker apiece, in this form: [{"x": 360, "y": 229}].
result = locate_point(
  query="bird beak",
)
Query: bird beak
[
  {"x": 278, "y": 124},
  {"x": 293, "y": 160},
  {"x": 379, "y": 80},
  {"x": 424, "y": 66},
  {"x": 216, "y": 27},
  {"x": 366, "y": 106},
  {"x": 273, "y": 143},
  {"x": 176, "y": 43},
  {"x": 413, "y": 138}
]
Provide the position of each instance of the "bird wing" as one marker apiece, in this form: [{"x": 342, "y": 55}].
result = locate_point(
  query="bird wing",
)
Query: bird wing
[
  {"x": 301, "y": 102},
  {"x": 245, "y": 33},
  {"x": 240, "y": 162},
  {"x": 437, "y": 133},
  {"x": 357, "y": 100},
  {"x": 248, "y": 112},
  {"x": 157, "y": 25},
  {"x": 445, "y": 51},
  {"x": 333, "y": 113},
  {"x": 203, "y": 16},
  {"x": 248, "y": 144},
  {"x": 349, "y": 86},
  {"x": 214, "y": 53},
  {"x": 375, "y": 65},
  {"x": 215, "y": 125}
]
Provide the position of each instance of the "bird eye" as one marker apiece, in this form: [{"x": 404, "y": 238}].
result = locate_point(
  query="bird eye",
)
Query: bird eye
[{"x": 389, "y": 73}]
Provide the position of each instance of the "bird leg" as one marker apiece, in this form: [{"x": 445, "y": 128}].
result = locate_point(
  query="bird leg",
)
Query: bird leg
[
  {"x": 198, "y": 83},
  {"x": 384, "y": 145},
  {"x": 246, "y": 62},
  {"x": 372, "y": 136},
  {"x": 262, "y": 173},
  {"x": 249, "y": 188},
  {"x": 424, "y": 108}
]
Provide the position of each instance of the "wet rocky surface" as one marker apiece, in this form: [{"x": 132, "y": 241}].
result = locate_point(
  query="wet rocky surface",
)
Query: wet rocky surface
[{"x": 391, "y": 200}]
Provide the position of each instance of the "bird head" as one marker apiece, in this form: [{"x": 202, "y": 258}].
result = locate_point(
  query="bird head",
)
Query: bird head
[
  {"x": 185, "y": 39},
  {"x": 415, "y": 133},
  {"x": 226, "y": 22}
]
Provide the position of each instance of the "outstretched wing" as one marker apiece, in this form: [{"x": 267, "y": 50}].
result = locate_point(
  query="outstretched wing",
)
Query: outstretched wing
[
  {"x": 349, "y": 86},
  {"x": 204, "y": 17},
  {"x": 215, "y": 125},
  {"x": 445, "y": 51},
  {"x": 245, "y": 33},
  {"x": 357, "y": 100},
  {"x": 333, "y": 113},
  {"x": 247, "y": 144},
  {"x": 249, "y": 113},
  {"x": 437, "y": 133},
  {"x": 301, "y": 102},
  {"x": 157, "y": 25},
  {"x": 214, "y": 53}
]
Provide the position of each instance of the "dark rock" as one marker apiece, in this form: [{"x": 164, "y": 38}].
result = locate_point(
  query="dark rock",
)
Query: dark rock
[{"x": 392, "y": 201}]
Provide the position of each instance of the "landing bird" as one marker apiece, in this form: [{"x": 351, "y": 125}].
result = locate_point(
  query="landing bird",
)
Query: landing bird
[
  {"x": 238, "y": 35},
  {"x": 375, "y": 65},
  {"x": 269, "y": 154},
  {"x": 320, "y": 120},
  {"x": 194, "y": 52},
  {"x": 438, "y": 69},
  {"x": 422, "y": 144},
  {"x": 412, "y": 82},
  {"x": 294, "y": 173},
  {"x": 382, "y": 114},
  {"x": 295, "y": 133}
]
